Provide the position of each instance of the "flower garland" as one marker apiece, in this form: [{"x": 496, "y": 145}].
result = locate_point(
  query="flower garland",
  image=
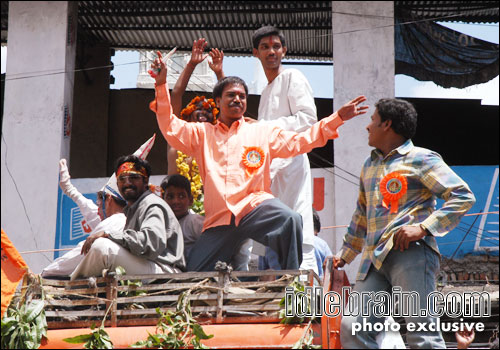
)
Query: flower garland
[
  {"x": 193, "y": 175},
  {"x": 193, "y": 106}
]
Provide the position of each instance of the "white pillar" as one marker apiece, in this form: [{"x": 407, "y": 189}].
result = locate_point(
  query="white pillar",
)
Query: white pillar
[
  {"x": 363, "y": 58},
  {"x": 37, "y": 121}
]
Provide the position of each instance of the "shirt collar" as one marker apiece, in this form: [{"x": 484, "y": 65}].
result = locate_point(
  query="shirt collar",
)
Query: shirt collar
[
  {"x": 134, "y": 205},
  {"x": 405, "y": 148},
  {"x": 236, "y": 124}
]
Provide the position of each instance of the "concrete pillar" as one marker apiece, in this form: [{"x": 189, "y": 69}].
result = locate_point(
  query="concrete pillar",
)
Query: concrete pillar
[
  {"x": 37, "y": 121},
  {"x": 363, "y": 58}
]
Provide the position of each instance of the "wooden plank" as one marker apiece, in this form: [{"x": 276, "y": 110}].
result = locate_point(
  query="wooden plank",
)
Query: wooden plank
[
  {"x": 55, "y": 302},
  {"x": 165, "y": 286},
  {"x": 217, "y": 293},
  {"x": 269, "y": 273},
  {"x": 60, "y": 291},
  {"x": 220, "y": 295},
  {"x": 194, "y": 297},
  {"x": 67, "y": 283},
  {"x": 282, "y": 284},
  {"x": 276, "y": 295},
  {"x": 62, "y": 313},
  {"x": 113, "y": 283},
  {"x": 194, "y": 309},
  {"x": 173, "y": 276},
  {"x": 271, "y": 307},
  {"x": 163, "y": 298}
]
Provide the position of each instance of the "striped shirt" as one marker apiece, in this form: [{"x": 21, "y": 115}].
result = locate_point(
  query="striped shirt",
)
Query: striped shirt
[{"x": 427, "y": 175}]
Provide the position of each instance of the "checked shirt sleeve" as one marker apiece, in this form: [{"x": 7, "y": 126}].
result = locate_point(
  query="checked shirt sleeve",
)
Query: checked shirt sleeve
[
  {"x": 447, "y": 185},
  {"x": 355, "y": 236}
]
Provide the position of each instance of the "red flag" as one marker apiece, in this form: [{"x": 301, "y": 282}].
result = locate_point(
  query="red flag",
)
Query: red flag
[{"x": 13, "y": 270}]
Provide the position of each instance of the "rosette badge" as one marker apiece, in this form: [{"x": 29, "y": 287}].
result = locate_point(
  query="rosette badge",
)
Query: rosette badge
[
  {"x": 393, "y": 186},
  {"x": 253, "y": 158}
]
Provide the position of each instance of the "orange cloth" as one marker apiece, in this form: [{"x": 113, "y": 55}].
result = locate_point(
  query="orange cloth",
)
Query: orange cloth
[
  {"x": 219, "y": 150},
  {"x": 13, "y": 270}
]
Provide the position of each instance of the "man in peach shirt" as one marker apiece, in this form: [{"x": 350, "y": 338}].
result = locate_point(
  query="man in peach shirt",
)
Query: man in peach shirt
[{"x": 234, "y": 159}]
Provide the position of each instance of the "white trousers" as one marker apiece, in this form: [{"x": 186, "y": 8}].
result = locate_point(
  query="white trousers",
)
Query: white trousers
[{"x": 107, "y": 255}]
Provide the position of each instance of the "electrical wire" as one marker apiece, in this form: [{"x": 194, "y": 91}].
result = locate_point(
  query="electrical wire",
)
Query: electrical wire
[
  {"x": 334, "y": 173},
  {"x": 47, "y": 73},
  {"x": 34, "y": 74}
]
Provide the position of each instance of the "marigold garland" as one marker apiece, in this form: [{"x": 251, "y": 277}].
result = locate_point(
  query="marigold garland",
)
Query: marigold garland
[
  {"x": 191, "y": 173},
  {"x": 192, "y": 106}
]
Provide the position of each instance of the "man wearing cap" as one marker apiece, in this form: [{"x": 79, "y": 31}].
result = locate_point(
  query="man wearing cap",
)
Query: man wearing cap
[
  {"x": 151, "y": 241},
  {"x": 106, "y": 215}
]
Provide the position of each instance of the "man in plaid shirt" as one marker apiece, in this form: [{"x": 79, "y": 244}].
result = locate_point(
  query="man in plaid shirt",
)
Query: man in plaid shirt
[{"x": 396, "y": 223}]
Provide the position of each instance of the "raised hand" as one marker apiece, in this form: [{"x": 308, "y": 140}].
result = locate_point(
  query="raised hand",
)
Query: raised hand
[
  {"x": 63, "y": 171},
  {"x": 197, "y": 55},
  {"x": 159, "y": 70},
  {"x": 216, "y": 64},
  {"x": 352, "y": 109}
]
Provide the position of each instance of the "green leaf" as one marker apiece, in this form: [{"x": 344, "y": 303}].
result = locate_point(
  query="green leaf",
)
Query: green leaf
[
  {"x": 120, "y": 271},
  {"x": 83, "y": 338},
  {"x": 107, "y": 344},
  {"x": 199, "y": 332},
  {"x": 12, "y": 342},
  {"x": 34, "y": 309},
  {"x": 8, "y": 325},
  {"x": 140, "y": 344},
  {"x": 41, "y": 324},
  {"x": 28, "y": 344}
]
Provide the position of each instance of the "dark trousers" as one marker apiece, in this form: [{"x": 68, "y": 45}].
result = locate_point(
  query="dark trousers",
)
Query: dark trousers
[{"x": 271, "y": 223}]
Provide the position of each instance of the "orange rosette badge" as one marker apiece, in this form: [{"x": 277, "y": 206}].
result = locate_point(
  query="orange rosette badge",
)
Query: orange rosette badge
[
  {"x": 393, "y": 186},
  {"x": 253, "y": 158}
]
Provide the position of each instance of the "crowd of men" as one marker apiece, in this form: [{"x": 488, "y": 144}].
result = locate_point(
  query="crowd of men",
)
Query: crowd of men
[{"x": 257, "y": 187}]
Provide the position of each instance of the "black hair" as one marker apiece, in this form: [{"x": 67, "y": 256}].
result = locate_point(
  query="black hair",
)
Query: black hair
[
  {"x": 402, "y": 114},
  {"x": 317, "y": 222},
  {"x": 138, "y": 163},
  {"x": 266, "y": 31},
  {"x": 118, "y": 201},
  {"x": 221, "y": 84},
  {"x": 101, "y": 195},
  {"x": 177, "y": 180}
]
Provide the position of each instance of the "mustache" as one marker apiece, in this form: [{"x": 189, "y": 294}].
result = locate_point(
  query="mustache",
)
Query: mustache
[{"x": 234, "y": 104}]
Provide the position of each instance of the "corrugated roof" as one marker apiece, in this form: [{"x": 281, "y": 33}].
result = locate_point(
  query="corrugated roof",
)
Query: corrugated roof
[
  {"x": 449, "y": 11},
  {"x": 225, "y": 24},
  {"x": 229, "y": 24}
]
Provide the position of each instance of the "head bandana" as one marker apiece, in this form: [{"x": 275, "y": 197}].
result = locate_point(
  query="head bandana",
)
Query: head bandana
[
  {"x": 131, "y": 168},
  {"x": 111, "y": 186}
]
